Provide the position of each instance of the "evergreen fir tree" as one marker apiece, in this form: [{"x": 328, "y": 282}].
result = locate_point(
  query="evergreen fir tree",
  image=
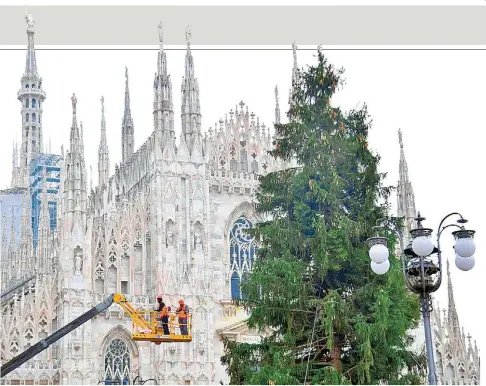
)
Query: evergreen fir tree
[{"x": 328, "y": 317}]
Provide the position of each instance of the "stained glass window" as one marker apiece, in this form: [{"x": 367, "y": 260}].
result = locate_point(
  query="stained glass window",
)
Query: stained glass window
[
  {"x": 117, "y": 361},
  {"x": 242, "y": 254}
]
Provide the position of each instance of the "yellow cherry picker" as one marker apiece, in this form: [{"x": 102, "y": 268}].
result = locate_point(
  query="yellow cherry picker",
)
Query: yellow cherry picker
[{"x": 145, "y": 327}]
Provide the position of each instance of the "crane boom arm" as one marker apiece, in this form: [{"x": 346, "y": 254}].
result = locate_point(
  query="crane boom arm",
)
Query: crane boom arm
[
  {"x": 130, "y": 310},
  {"x": 45, "y": 343}
]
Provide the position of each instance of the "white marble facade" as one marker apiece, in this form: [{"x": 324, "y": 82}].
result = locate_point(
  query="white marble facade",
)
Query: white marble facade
[{"x": 169, "y": 221}]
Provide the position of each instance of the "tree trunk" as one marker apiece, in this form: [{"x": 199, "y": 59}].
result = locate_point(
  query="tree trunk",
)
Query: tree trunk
[{"x": 336, "y": 356}]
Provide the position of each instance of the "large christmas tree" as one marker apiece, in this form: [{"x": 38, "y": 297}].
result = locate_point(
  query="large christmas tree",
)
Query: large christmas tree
[{"x": 327, "y": 317}]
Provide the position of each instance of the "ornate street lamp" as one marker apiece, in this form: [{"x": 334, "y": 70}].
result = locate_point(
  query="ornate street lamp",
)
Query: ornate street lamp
[{"x": 422, "y": 265}]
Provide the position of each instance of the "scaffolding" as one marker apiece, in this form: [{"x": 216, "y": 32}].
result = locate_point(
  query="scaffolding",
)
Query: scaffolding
[{"x": 45, "y": 171}]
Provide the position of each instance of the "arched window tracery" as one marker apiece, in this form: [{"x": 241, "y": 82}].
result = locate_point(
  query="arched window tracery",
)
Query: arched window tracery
[
  {"x": 117, "y": 361},
  {"x": 242, "y": 253}
]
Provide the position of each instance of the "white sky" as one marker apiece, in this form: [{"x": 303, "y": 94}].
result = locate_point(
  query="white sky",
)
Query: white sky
[{"x": 436, "y": 97}]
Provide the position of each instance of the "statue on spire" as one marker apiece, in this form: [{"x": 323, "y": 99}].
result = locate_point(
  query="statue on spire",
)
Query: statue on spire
[
  {"x": 161, "y": 32},
  {"x": 188, "y": 34},
  {"x": 400, "y": 140},
  {"x": 74, "y": 101},
  {"x": 126, "y": 74},
  {"x": 102, "y": 105},
  {"x": 276, "y": 93},
  {"x": 30, "y": 21},
  {"x": 294, "y": 49}
]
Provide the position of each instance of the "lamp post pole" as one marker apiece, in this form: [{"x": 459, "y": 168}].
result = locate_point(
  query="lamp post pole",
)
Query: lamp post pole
[
  {"x": 426, "y": 308},
  {"x": 421, "y": 264}
]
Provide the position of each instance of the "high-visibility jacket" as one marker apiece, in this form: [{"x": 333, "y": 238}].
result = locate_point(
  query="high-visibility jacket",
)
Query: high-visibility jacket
[
  {"x": 182, "y": 312},
  {"x": 164, "y": 312}
]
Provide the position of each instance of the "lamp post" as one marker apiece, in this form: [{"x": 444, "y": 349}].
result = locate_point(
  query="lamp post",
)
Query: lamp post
[{"x": 422, "y": 265}]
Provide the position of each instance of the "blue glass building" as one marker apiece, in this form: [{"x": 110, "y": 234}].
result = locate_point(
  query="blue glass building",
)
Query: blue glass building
[{"x": 45, "y": 170}]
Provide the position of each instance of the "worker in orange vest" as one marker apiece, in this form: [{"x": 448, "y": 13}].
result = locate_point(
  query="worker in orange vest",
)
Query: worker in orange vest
[
  {"x": 183, "y": 311},
  {"x": 163, "y": 313}
]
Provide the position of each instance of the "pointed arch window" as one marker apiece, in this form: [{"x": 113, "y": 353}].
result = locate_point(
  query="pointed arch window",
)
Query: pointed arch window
[
  {"x": 233, "y": 165},
  {"x": 34, "y": 103},
  {"x": 244, "y": 161},
  {"x": 117, "y": 361},
  {"x": 27, "y": 117},
  {"x": 242, "y": 253},
  {"x": 27, "y": 103},
  {"x": 34, "y": 117}
]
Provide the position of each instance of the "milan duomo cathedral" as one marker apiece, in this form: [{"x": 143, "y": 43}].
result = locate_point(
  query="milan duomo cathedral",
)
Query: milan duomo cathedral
[{"x": 168, "y": 221}]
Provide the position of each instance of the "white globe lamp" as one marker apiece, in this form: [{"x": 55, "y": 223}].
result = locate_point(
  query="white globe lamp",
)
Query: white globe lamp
[
  {"x": 380, "y": 269},
  {"x": 465, "y": 247},
  {"x": 422, "y": 246},
  {"x": 465, "y": 263},
  {"x": 378, "y": 253}
]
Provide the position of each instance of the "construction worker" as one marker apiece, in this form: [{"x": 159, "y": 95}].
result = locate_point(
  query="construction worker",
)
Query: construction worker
[
  {"x": 183, "y": 311},
  {"x": 163, "y": 314}
]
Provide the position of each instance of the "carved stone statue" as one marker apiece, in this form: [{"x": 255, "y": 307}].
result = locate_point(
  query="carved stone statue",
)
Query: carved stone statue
[
  {"x": 78, "y": 262},
  {"x": 188, "y": 34},
  {"x": 102, "y": 104},
  {"x": 169, "y": 239},
  {"x": 197, "y": 241},
  {"x": 201, "y": 342},
  {"x": 30, "y": 22},
  {"x": 161, "y": 32},
  {"x": 74, "y": 100}
]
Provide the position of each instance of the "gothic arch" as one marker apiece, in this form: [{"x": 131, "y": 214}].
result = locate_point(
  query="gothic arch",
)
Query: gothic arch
[
  {"x": 120, "y": 337},
  {"x": 243, "y": 216},
  {"x": 245, "y": 209},
  {"x": 202, "y": 380},
  {"x": 119, "y": 332}
]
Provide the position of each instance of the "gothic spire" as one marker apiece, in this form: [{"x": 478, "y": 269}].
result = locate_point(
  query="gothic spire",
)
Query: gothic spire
[
  {"x": 75, "y": 137},
  {"x": 191, "y": 109},
  {"x": 295, "y": 72},
  {"x": 44, "y": 229},
  {"x": 277, "y": 107},
  {"x": 103, "y": 121},
  {"x": 452, "y": 317},
  {"x": 30, "y": 62},
  {"x": 162, "y": 57},
  {"x": 90, "y": 178},
  {"x": 128, "y": 135},
  {"x": 103, "y": 151},
  {"x": 189, "y": 58},
  {"x": 405, "y": 195},
  {"x": 31, "y": 96},
  {"x": 295, "y": 68},
  {"x": 163, "y": 105},
  {"x": 26, "y": 235},
  {"x": 12, "y": 246},
  {"x": 76, "y": 179},
  {"x": 81, "y": 138}
]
